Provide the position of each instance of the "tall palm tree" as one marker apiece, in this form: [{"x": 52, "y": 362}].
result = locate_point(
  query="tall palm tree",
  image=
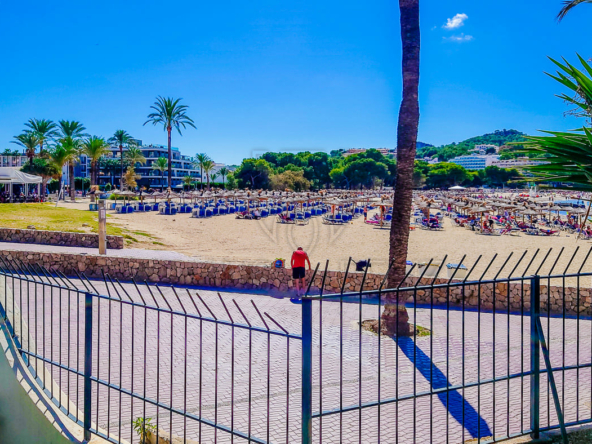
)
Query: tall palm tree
[
  {"x": 71, "y": 134},
  {"x": 395, "y": 317},
  {"x": 161, "y": 165},
  {"x": 94, "y": 148},
  {"x": 44, "y": 129},
  {"x": 199, "y": 161},
  {"x": 121, "y": 138},
  {"x": 134, "y": 155},
  {"x": 61, "y": 155},
  {"x": 568, "y": 5},
  {"x": 208, "y": 166},
  {"x": 170, "y": 114},
  {"x": 223, "y": 172},
  {"x": 73, "y": 146},
  {"x": 29, "y": 142}
]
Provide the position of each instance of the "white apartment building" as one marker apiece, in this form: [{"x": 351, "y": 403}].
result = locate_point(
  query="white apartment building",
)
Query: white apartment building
[
  {"x": 475, "y": 161},
  {"x": 13, "y": 161},
  {"x": 518, "y": 162}
]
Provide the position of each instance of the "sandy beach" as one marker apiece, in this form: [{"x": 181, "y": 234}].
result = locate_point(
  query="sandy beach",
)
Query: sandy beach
[{"x": 226, "y": 239}]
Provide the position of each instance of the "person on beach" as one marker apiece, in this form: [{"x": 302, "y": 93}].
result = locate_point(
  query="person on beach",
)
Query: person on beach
[{"x": 298, "y": 262}]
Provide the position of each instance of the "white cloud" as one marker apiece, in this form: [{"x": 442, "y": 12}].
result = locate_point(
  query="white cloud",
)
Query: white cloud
[
  {"x": 459, "y": 38},
  {"x": 455, "y": 22}
]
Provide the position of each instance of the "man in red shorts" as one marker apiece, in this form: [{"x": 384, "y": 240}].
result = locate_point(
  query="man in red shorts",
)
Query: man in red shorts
[{"x": 299, "y": 259}]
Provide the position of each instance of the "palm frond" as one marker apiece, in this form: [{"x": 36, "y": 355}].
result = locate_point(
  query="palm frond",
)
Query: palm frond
[
  {"x": 568, "y": 5},
  {"x": 170, "y": 113}
]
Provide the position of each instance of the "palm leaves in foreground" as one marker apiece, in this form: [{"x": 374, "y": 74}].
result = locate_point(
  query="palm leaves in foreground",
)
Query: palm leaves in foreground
[
  {"x": 577, "y": 81},
  {"x": 568, "y": 5},
  {"x": 568, "y": 157}
]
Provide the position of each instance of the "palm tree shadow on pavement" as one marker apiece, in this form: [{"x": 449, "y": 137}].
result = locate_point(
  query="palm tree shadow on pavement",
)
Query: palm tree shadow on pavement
[{"x": 458, "y": 407}]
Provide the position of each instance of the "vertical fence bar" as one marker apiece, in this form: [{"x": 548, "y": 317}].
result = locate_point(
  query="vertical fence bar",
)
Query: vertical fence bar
[
  {"x": 88, "y": 320},
  {"x": 306, "y": 371},
  {"x": 535, "y": 359}
]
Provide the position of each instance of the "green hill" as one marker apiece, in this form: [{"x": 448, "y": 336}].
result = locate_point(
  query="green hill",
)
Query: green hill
[{"x": 447, "y": 152}]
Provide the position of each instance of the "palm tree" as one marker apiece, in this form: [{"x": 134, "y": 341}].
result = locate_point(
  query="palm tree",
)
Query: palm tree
[
  {"x": 94, "y": 148},
  {"x": 29, "y": 142},
  {"x": 41, "y": 167},
  {"x": 121, "y": 138},
  {"x": 161, "y": 165},
  {"x": 199, "y": 161},
  {"x": 208, "y": 166},
  {"x": 395, "y": 317},
  {"x": 187, "y": 181},
  {"x": 169, "y": 113},
  {"x": 567, "y": 155},
  {"x": 71, "y": 133},
  {"x": 61, "y": 155},
  {"x": 134, "y": 155},
  {"x": 44, "y": 129},
  {"x": 568, "y": 5},
  {"x": 223, "y": 172},
  {"x": 73, "y": 146},
  {"x": 71, "y": 128}
]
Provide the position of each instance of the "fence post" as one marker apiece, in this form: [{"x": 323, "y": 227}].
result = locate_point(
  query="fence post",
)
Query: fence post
[
  {"x": 306, "y": 371},
  {"x": 535, "y": 358},
  {"x": 88, "y": 323}
]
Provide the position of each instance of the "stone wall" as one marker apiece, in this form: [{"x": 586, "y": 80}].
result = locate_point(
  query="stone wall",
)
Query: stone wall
[
  {"x": 61, "y": 238},
  {"x": 272, "y": 280}
]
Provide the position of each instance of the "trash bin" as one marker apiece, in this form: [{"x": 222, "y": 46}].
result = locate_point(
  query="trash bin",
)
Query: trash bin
[
  {"x": 461, "y": 271},
  {"x": 431, "y": 271}
]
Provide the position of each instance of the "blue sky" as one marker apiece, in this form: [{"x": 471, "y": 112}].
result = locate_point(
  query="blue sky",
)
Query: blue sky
[{"x": 272, "y": 75}]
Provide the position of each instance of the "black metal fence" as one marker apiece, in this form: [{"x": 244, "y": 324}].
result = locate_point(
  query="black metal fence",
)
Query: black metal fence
[{"x": 488, "y": 358}]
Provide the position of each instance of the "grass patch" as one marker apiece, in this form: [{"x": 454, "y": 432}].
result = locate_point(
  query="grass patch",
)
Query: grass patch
[
  {"x": 130, "y": 238},
  {"x": 158, "y": 243},
  {"x": 142, "y": 233},
  {"x": 371, "y": 325},
  {"x": 47, "y": 217}
]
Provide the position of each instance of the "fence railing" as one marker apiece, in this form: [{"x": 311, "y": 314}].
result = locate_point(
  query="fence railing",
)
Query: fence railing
[{"x": 486, "y": 359}]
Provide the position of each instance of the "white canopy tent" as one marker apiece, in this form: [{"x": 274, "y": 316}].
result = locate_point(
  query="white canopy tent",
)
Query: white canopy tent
[
  {"x": 456, "y": 188},
  {"x": 10, "y": 176}
]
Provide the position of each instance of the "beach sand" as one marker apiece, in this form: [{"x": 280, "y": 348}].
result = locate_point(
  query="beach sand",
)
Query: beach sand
[{"x": 226, "y": 239}]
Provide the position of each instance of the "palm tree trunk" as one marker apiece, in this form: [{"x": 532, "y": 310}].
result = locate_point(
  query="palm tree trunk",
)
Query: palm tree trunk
[
  {"x": 162, "y": 181},
  {"x": 93, "y": 178},
  {"x": 395, "y": 317},
  {"x": 43, "y": 184},
  {"x": 121, "y": 162},
  {"x": 72, "y": 181},
  {"x": 170, "y": 158}
]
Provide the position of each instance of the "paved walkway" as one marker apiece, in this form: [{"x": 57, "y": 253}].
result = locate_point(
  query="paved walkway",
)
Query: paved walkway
[
  {"x": 172, "y": 359},
  {"x": 125, "y": 252}
]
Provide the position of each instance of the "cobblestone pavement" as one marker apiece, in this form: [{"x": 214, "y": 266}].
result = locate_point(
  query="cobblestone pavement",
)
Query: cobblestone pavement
[{"x": 253, "y": 383}]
